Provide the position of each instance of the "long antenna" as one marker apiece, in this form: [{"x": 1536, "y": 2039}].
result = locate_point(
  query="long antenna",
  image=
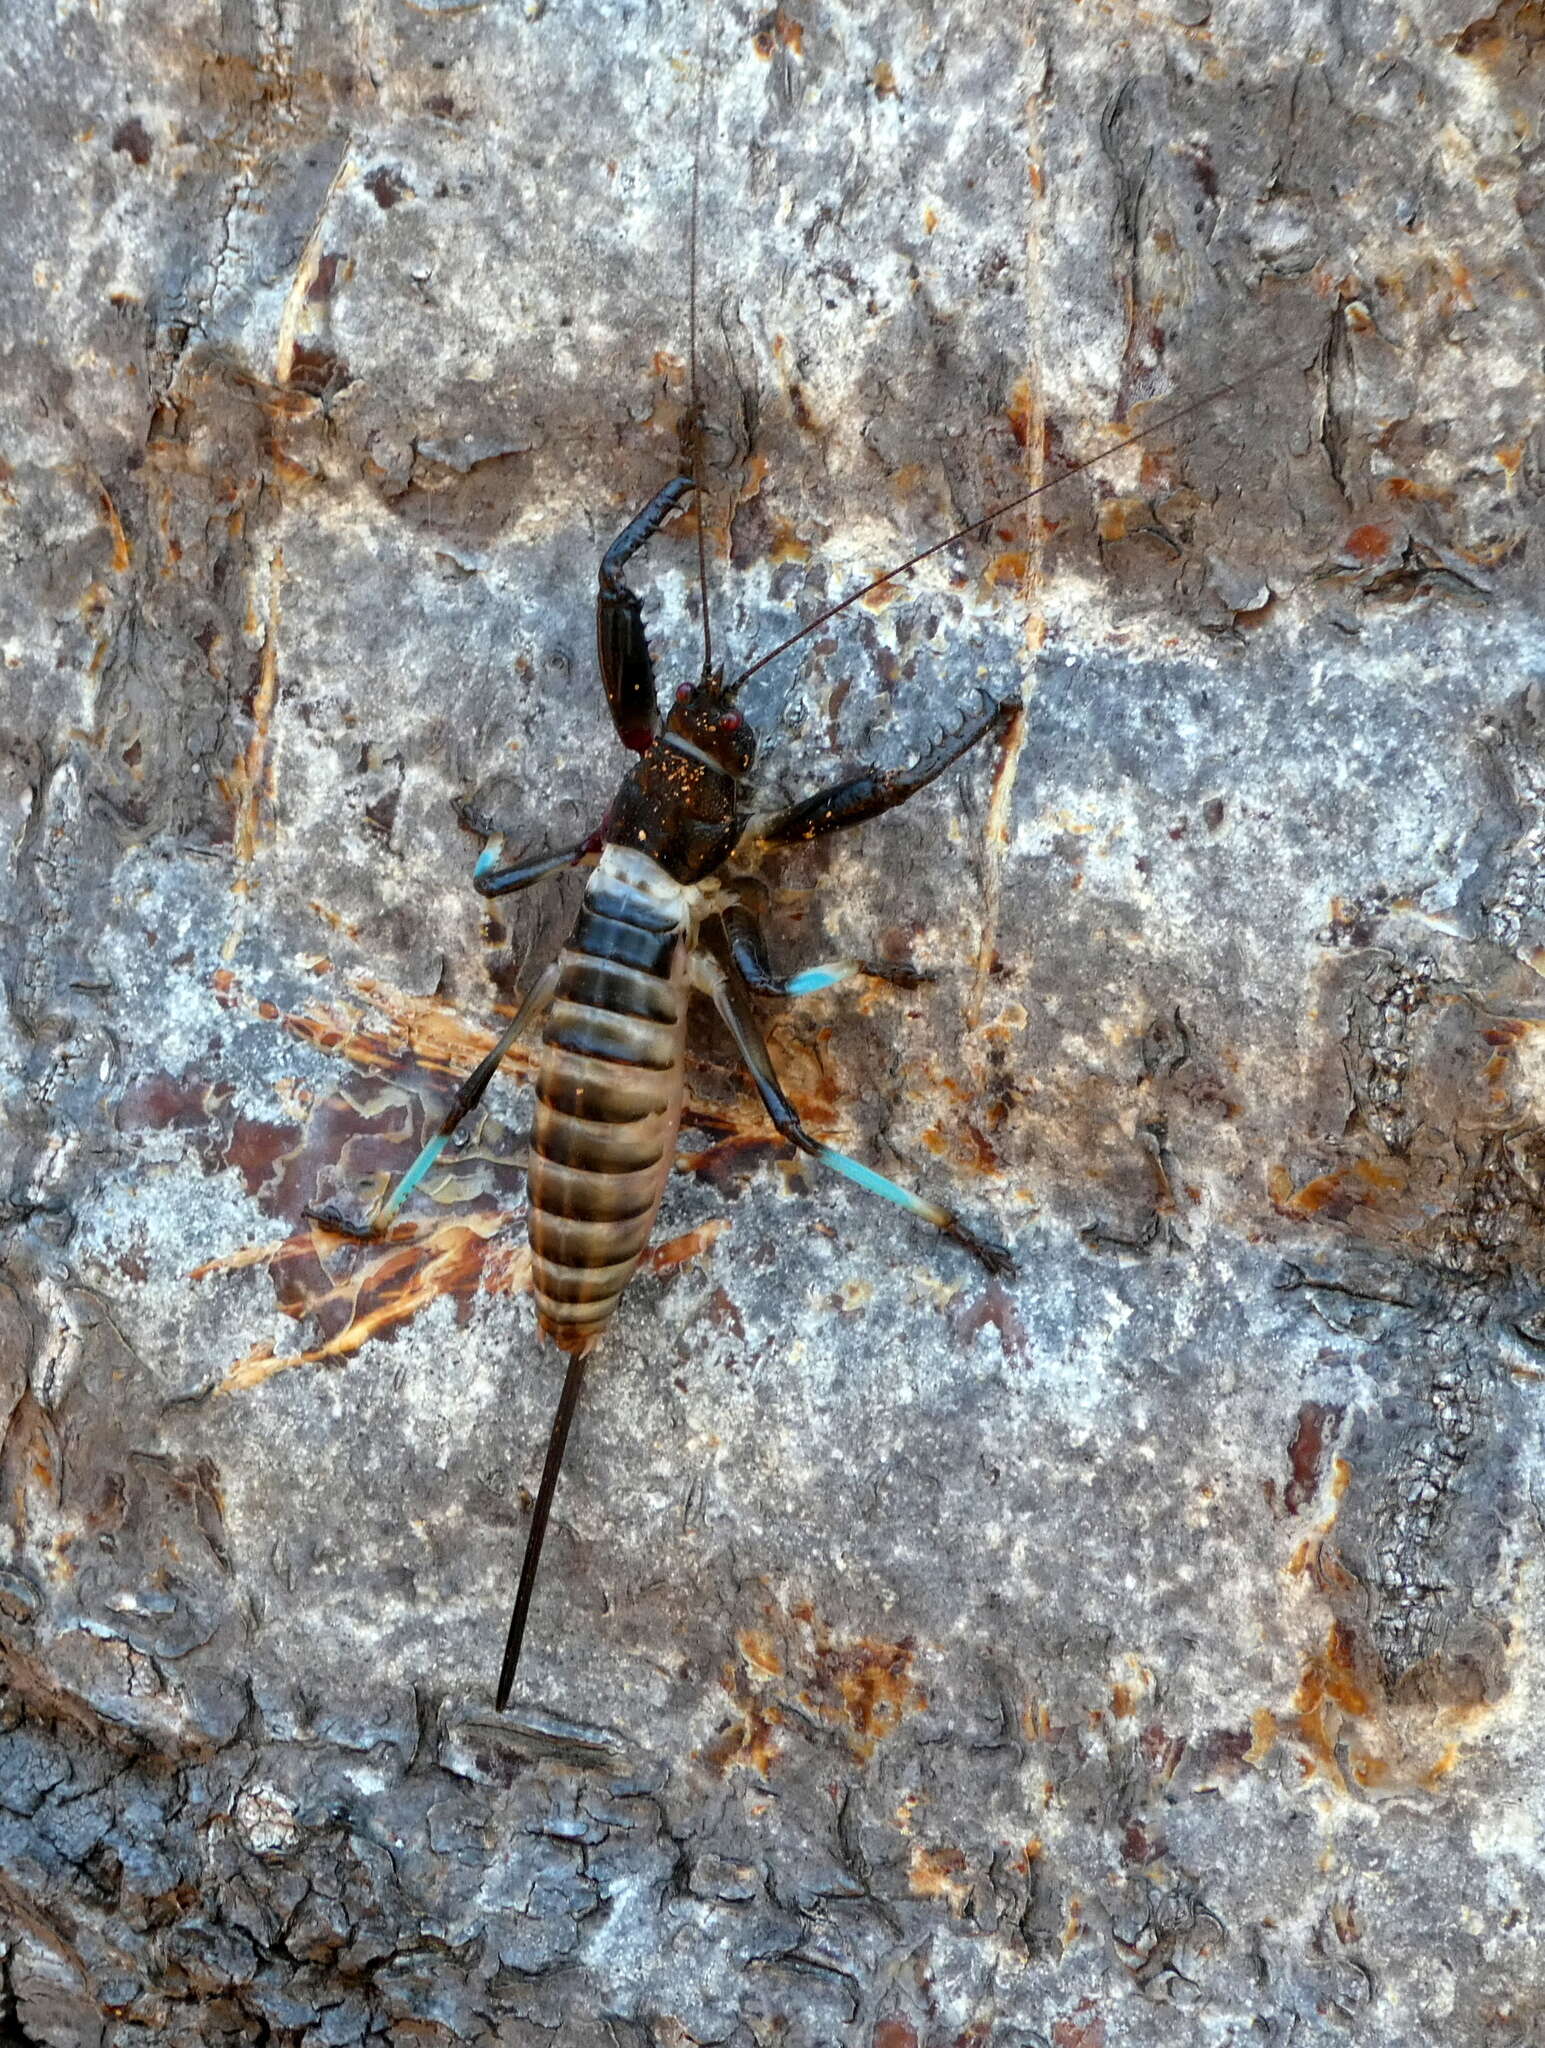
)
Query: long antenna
[
  {"x": 1012, "y": 505},
  {"x": 697, "y": 410},
  {"x": 568, "y": 1401}
]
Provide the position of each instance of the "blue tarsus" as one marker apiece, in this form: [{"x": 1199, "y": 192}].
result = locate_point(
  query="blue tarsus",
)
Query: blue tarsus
[
  {"x": 410, "y": 1180},
  {"x": 826, "y": 975},
  {"x": 877, "y": 1184}
]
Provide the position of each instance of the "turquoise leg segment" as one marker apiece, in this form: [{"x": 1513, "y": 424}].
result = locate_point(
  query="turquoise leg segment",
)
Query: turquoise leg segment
[
  {"x": 826, "y": 975},
  {"x": 877, "y": 1184},
  {"x": 727, "y": 986},
  {"x": 488, "y": 859},
  {"x": 410, "y": 1180}
]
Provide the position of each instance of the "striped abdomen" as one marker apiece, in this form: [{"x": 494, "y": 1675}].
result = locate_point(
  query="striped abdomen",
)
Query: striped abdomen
[{"x": 608, "y": 1095}]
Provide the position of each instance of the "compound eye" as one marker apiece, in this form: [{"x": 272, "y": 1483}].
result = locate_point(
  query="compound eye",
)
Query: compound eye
[
  {"x": 683, "y": 692},
  {"x": 732, "y": 721}
]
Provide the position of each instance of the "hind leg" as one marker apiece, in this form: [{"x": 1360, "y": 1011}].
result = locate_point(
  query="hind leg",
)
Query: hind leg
[{"x": 463, "y": 1102}]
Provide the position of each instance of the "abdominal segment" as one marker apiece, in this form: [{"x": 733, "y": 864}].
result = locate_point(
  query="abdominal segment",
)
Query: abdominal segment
[{"x": 608, "y": 1103}]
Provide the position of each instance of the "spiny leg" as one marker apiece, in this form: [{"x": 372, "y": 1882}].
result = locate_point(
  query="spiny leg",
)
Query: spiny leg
[
  {"x": 489, "y": 879},
  {"x": 881, "y": 789},
  {"x": 568, "y": 1401},
  {"x": 463, "y": 1102},
  {"x": 627, "y": 667},
  {"x": 732, "y": 999},
  {"x": 736, "y": 936}
]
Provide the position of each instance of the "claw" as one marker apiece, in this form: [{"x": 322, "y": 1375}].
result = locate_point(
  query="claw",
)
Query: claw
[
  {"x": 997, "y": 1258},
  {"x": 326, "y": 1217},
  {"x": 471, "y": 817},
  {"x": 900, "y": 973}
]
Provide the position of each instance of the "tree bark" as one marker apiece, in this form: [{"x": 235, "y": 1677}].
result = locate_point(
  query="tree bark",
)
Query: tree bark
[{"x": 1142, "y": 1650}]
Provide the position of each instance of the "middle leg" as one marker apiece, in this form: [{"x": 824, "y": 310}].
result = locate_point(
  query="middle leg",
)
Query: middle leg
[
  {"x": 736, "y": 936},
  {"x": 732, "y": 999}
]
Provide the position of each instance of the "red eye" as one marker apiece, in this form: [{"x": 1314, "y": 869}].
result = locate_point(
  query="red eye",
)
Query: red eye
[
  {"x": 683, "y": 692},
  {"x": 731, "y": 721}
]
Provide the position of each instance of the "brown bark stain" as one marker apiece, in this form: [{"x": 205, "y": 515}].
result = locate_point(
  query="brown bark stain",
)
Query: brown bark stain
[
  {"x": 1407, "y": 489},
  {"x": 748, "y": 1742},
  {"x": 131, "y": 138},
  {"x": 731, "y": 1163},
  {"x": 940, "y": 1873},
  {"x": 692, "y": 1244},
  {"x": 333, "y": 918},
  {"x": 994, "y": 1305},
  {"x": 1508, "y": 42},
  {"x": 861, "y": 1686},
  {"x": 1124, "y": 518},
  {"x": 249, "y": 788},
  {"x": 1317, "y": 1426},
  {"x": 758, "y": 1650},
  {"x": 123, "y": 554},
  {"x": 353, "y": 1292},
  {"x": 1362, "y": 1183},
  {"x": 1161, "y": 1751},
  {"x": 972, "y": 1150},
  {"x": 377, "y": 1288},
  {"x": 1352, "y": 1732},
  {"x": 775, "y": 29},
  {"x": 261, "y": 1151},
  {"x": 1037, "y": 1724},
  {"x": 1510, "y": 460},
  {"x": 1073, "y": 1925},
  {"x": 786, "y": 545},
  {"x": 1139, "y": 1847},
  {"x": 29, "y": 1463},
  {"x": 1010, "y": 567},
  {"x": 159, "y": 1101},
  {"x": 1369, "y": 543},
  {"x": 387, "y": 186},
  {"x": 874, "y": 1689},
  {"x": 1264, "y": 1731},
  {"x": 1023, "y": 412},
  {"x": 1083, "y": 2028}
]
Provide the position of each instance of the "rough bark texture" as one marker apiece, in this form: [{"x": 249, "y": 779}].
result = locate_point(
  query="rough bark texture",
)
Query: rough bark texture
[{"x": 1148, "y": 1650}]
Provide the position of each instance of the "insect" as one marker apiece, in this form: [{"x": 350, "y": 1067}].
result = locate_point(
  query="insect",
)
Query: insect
[{"x": 663, "y": 915}]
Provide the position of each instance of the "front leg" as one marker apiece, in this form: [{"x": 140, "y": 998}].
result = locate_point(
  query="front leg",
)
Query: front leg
[
  {"x": 732, "y": 999},
  {"x": 880, "y": 789},
  {"x": 622, "y": 648}
]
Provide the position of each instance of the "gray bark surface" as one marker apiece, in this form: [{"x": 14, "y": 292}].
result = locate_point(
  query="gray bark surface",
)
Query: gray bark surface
[{"x": 1146, "y": 1650}]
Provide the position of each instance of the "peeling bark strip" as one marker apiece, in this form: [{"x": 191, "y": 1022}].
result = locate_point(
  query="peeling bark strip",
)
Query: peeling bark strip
[{"x": 952, "y": 1664}]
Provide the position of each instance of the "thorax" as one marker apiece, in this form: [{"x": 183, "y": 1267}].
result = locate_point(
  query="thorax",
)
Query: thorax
[{"x": 632, "y": 886}]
